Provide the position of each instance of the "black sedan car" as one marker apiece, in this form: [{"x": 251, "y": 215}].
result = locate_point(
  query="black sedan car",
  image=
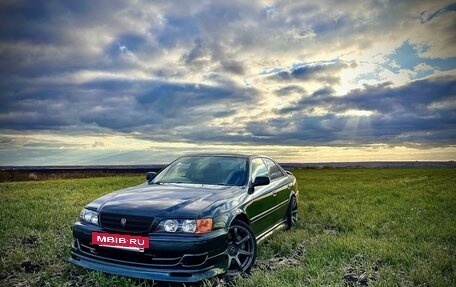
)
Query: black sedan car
[{"x": 199, "y": 217}]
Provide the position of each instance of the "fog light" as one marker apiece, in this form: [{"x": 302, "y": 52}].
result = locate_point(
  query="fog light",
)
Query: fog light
[
  {"x": 170, "y": 225},
  {"x": 189, "y": 226}
]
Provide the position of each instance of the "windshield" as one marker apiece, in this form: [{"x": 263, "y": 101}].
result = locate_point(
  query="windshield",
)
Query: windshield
[{"x": 216, "y": 170}]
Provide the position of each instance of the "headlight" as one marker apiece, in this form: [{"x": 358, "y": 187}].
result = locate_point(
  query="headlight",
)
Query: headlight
[
  {"x": 189, "y": 226},
  {"x": 89, "y": 216},
  {"x": 186, "y": 225},
  {"x": 171, "y": 225}
]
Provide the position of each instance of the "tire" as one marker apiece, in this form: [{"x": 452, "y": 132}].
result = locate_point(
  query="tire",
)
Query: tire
[
  {"x": 241, "y": 250},
  {"x": 292, "y": 213}
]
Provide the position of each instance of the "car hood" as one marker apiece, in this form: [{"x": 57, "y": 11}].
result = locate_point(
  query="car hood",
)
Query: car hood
[{"x": 164, "y": 200}]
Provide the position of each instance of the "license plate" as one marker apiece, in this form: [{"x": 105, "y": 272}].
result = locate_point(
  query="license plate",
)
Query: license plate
[{"x": 121, "y": 241}]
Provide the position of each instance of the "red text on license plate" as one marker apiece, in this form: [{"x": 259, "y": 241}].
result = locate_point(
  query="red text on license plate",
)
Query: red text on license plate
[{"x": 121, "y": 240}]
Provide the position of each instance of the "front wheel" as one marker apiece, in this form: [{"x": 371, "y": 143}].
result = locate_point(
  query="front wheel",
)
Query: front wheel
[
  {"x": 292, "y": 213},
  {"x": 242, "y": 248}
]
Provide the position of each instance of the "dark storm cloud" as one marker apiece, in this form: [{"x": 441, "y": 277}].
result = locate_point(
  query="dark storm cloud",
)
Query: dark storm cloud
[
  {"x": 290, "y": 90},
  {"x": 415, "y": 97},
  {"x": 165, "y": 106},
  {"x": 425, "y": 17},
  {"x": 41, "y": 22},
  {"x": 325, "y": 25},
  {"x": 323, "y": 72},
  {"x": 49, "y": 38},
  {"x": 419, "y": 112},
  {"x": 235, "y": 67},
  {"x": 123, "y": 106},
  {"x": 206, "y": 53}
]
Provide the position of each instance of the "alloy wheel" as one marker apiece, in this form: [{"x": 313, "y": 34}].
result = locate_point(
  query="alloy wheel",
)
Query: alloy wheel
[
  {"x": 292, "y": 216},
  {"x": 241, "y": 249}
]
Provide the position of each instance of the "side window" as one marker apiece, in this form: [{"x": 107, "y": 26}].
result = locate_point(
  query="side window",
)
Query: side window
[
  {"x": 273, "y": 169},
  {"x": 258, "y": 168}
]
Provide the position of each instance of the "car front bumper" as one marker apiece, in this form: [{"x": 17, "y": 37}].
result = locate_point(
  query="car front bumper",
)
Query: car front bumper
[{"x": 176, "y": 258}]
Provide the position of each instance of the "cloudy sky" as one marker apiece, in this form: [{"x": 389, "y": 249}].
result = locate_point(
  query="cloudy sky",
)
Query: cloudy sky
[{"x": 136, "y": 82}]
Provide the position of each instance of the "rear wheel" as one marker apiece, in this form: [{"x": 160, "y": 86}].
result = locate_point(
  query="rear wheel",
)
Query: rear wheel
[
  {"x": 292, "y": 213},
  {"x": 242, "y": 248}
]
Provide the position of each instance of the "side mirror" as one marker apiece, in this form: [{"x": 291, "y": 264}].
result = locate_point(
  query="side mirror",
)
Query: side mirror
[
  {"x": 150, "y": 175},
  {"x": 259, "y": 181}
]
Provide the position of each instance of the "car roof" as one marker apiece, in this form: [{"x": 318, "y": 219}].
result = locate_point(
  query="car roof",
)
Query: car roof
[{"x": 226, "y": 154}]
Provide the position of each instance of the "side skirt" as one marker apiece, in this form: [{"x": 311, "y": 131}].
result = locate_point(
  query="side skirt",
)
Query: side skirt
[{"x": 270, "y": 231}]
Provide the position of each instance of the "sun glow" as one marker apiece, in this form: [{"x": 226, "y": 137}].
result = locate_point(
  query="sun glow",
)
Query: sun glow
[{"x": 357, "y": 113}]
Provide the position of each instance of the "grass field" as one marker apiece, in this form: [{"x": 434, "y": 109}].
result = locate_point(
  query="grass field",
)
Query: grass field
[{"x": 357, "y": 227}]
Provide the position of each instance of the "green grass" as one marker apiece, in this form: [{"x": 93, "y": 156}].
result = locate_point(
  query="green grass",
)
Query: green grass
[{"x": 380, "y": 227}]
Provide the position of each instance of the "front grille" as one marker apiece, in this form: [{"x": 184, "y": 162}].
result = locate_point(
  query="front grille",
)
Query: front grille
[{"x": 133, "y": 223}]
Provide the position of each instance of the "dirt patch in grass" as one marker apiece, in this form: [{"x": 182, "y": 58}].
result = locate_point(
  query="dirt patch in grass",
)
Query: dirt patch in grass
[
  {"x": 76, "y": 279},
  {"x": 29, "y": 241},
  {"x": 331, "y": 230},
  {"x": 282, "y": 261},
  {"x": 30, "y": 267},
  {"x": 359, "y": 272}
]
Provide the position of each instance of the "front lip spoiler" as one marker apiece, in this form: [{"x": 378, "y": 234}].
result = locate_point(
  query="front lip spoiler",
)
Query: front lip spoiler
[
  {"x": 213, "y": 265},
  {"x": 170, "y": 275}
]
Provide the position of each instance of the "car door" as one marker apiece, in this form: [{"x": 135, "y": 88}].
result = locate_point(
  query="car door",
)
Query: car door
[
  {"x": 263, "y": 201},
  {"x": 281, "y": 186}
]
